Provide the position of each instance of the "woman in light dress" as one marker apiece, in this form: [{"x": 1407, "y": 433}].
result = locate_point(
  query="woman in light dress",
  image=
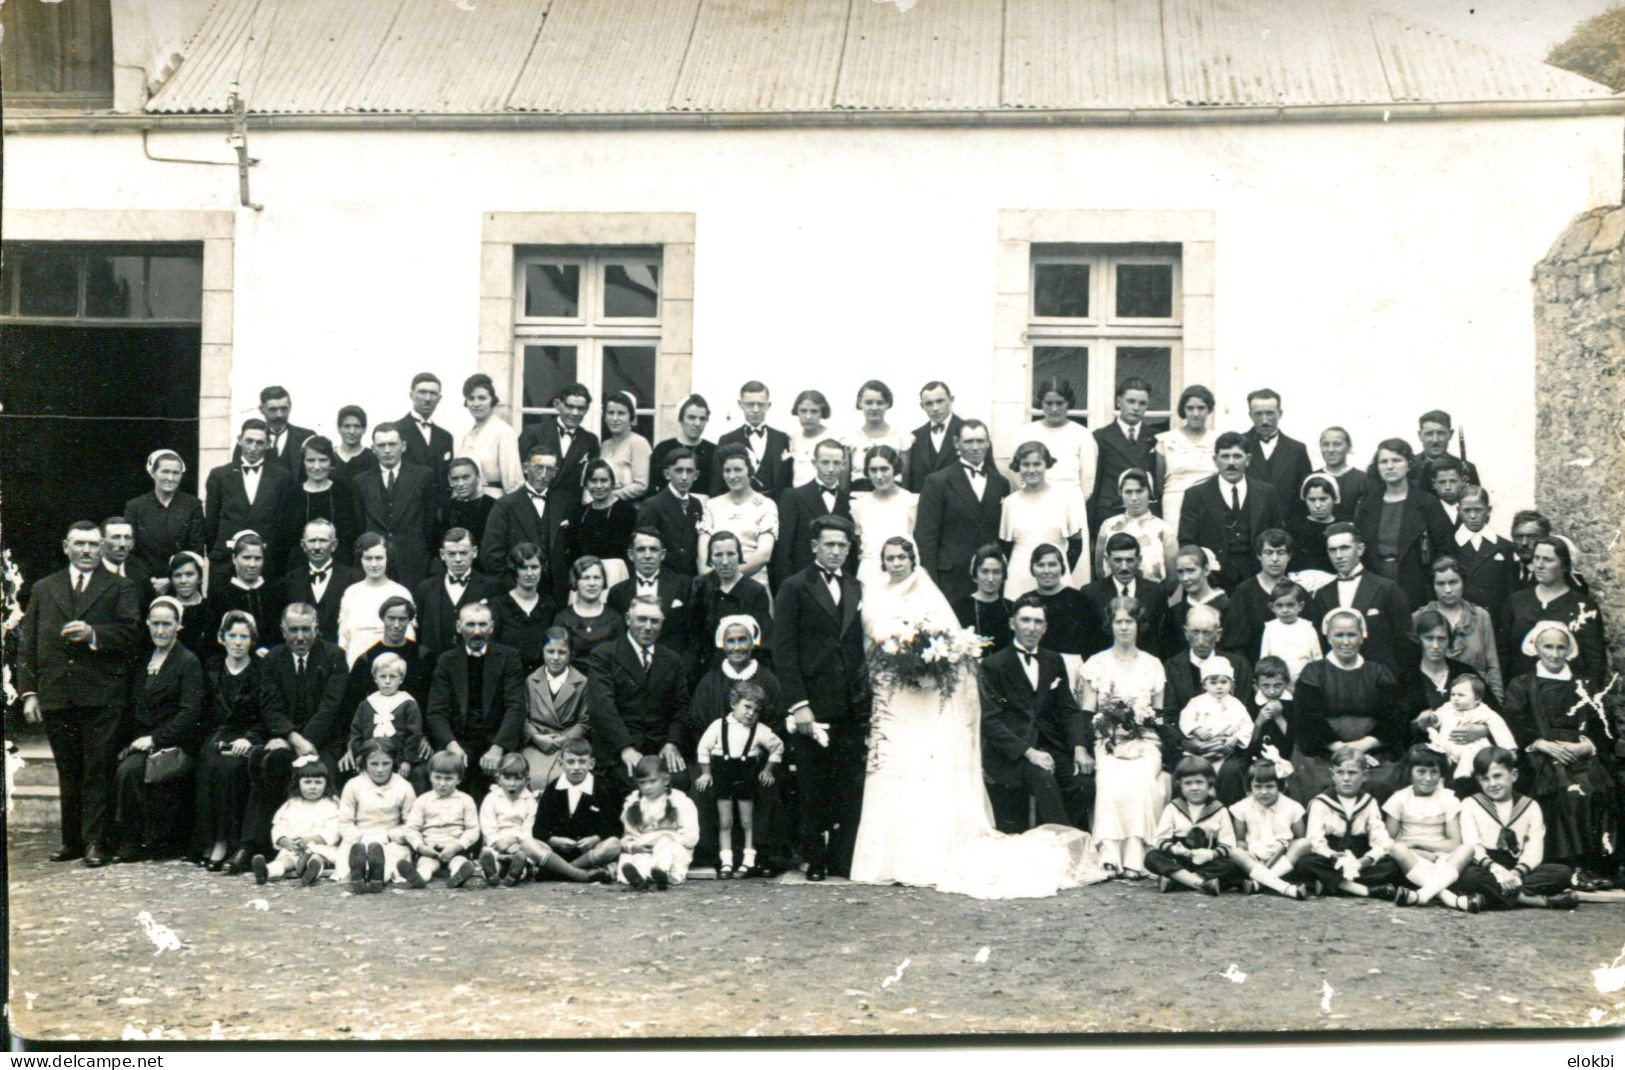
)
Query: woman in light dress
[
  {"x": 1158, "y": 541},
  {"x": 874, "y": 401},
  {"x": 881, "y": 513},
  {"x": 1040, "y": 512},
  {"x": 626, "y": 451},
  {"x": 360, "y": 622},
  {"x": 1068, "y": 441},
  {"x": 1185, "y": 453},
  {"x": 490, "y": 442},
  {"x": 926, "y": 817},
  {"x": 751, "y": 516},
  {"x": 811, "y": 410}
]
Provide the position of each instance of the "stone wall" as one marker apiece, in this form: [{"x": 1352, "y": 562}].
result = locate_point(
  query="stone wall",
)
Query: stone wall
[{"x": 1580, "y": 403}]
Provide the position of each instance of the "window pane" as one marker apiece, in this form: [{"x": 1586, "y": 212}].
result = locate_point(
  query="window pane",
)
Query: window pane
[
  {"x": 1061, "y": 290},
  {"x": 632, "y": 368},
  {"x": 1145, "y": 291},
  {"x": 547, "y": 369},
  {"x": 1151, "y": 363},
  {"x": 175, "y": 287},
  {"x": 50, "y": 283},
  {"x": 631, "y": 290},
  {"x": 1065, "y": 362},
  {"x": 553, "y": 290},
  {"x": 115, "y": 287}
]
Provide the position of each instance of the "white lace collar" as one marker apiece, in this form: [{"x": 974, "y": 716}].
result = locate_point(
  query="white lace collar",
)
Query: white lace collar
[{"x": 749, "y": 672}]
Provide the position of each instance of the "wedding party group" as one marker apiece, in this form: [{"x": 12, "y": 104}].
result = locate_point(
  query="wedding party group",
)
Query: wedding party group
[{"x": 1170, "y": 655}]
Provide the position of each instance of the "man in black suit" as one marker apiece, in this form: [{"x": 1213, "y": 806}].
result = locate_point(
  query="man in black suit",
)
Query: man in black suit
[
  {"x": 1250, "y": 601},
  {"x": 1382, "y": 601},
  {"x": 441, "y": 598},
  {"x": 73, "y": 652},
  {"x": 1036, "y": 742},
  {"x": 1447, "y": 481},
  {"x": 1529, "y": 526},
  {"x": 534, "y": 513},
  {"x": 818, "y": 656},
  {"x": 933, "y": 446},
  {"x": 423, "y": 442},
  {"x": 1272, "y": 457},
  {"x": 247, "y": 495},
  {"x": 638, "y": 697},
  {"x": 302, "y": 687},
  {"x": 800, "y": 506},
  {"x": 1127, "y": 442},
  {"x": 477, "y": 700},
  {"x": 1434, "y": 429},
  {"x": 562, "y": 437},
  {"x": 320, "y": 581},
  {"x": 1202, "y": 636},
  {"x": 286, "y": 443},
  {"x": 675, "y": 512},
  {"x": 1123, "y": 579},
  {"x": 118, "y": 557},
  {"x": 651, "y": 579},
  {"x": 1488, "y": 561},
  {"x": 958, "y": 512},
  {"x": 397, "y": 501},
  {"x": 769, "y": 447},
  {"x": 1225, "y": 512}
]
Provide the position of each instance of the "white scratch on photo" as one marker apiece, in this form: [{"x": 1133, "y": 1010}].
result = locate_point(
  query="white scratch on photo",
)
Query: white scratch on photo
[
  {"x": 896, "y": 976},
  {"x": 160, "y": 934},
  {"x": 1234, "y": 973},
  {"x": 982, "y": 955},
  {"x": 1326, "y": 994}
]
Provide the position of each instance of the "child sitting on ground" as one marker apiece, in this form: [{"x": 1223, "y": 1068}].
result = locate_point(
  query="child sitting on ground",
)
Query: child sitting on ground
[
  {"x": 1220, "y": 726},
  {"x": 573, "y": 819},
  {"x": 305, "y": 830},
  {"x": 390, "y": 713},
  {"x": 1427, "y": 842},
  {"x": 1348, "y": 842},
  {"x": 1506, "y": 834},
  {"x": 1270, "y": 831},
  {"x": 442, "y": 827},
  {"x": 372, "y": 819},
  {"x": 1290, "y": 637},
  {"x": 508, "y": 820},
  {"x": 660, "y": 827},
  {"x": 732, "y": 752},
  {"x": 1465, "y": 709},
  {"x": 1195, "y": 837}
]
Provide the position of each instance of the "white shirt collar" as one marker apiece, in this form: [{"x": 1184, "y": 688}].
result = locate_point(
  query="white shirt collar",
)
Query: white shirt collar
[
  {"x": 1131, "y": 431},
  {"x": 575, "y": 791},
  {"x": 1543, "y": 673},
  {"x": 1467, "y": 537}
]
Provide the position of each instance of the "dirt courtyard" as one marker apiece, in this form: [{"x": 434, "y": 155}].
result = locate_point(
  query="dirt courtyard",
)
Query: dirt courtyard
[{"x": 757, "y": 958}]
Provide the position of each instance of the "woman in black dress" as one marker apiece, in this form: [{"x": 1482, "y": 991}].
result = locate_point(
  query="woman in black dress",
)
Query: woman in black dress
[
  {"x": 1345, "y": 700},
  {"x": 1192, "y": 568},
  {"x": 351, "y": 455},
  {"x": 524, "y": 614},
  {"x": 1065, "y": 609},
  {"x": 468, "y": 507},
  {"x": 246, "y": 590},
  {"x": 1322, "y": 498},
  {"x": 588, "y": 618},
  {"x": 1557, "y": 595},
  {"x": 723, "y": 592},
  {"x": 1562, "y": 735},
  {"x": 1426, "y": 685},
  {"x": 986, "y": 609},
  {"x": 165, "y": 710},
  {"x": 692, "y": 416},
  {"x": 321, "y": 496},
  {"x": 396, "y": 614},
  {"x": 235, "y": 730},
  {"x": 185, "y": 573},
  {"x": 1403, "y": 527},
  {"x": 603, "y": 528},
  {"x": 166, "y": 519}
]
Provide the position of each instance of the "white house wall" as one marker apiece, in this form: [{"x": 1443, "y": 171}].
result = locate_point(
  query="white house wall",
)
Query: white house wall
[{"x": 1367, "y": 271}]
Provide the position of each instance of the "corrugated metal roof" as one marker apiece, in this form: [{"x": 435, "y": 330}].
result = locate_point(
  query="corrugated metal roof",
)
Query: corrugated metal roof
[{"x": 453, "y": 57}]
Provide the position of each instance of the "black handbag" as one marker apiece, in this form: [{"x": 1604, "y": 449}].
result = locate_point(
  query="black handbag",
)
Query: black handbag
[{"x": 167, "y": 764}]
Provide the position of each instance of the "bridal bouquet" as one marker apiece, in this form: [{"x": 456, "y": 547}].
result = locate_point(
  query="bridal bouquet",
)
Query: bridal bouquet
[
  {"x": 917, "y": 655},
  {"x": 1117, "y": 719}
]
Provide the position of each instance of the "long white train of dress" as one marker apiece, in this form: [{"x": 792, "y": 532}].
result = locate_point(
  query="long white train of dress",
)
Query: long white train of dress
[{"x": 927, "y": 821}]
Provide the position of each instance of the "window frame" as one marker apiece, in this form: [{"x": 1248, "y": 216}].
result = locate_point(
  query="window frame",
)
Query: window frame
[{"x": 16, "y": 253}]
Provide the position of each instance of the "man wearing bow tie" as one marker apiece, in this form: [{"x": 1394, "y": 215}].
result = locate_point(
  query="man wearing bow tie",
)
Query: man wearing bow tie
[
  {"x": 675, "y": 512},
  {"x": 440, "y": 598},
  {"x": 1125, "y": 580},
  {"x": 423, "y": 442},
  {"x": 959, "y": 512},
  {"x": 73, "y": 650},
  {"x": 319, "y": 580},
  {"x": 818, "y": 657},
  {"x": 638, "y": 695},
  {"x": 798, "y": 508},
  {"x": 769, "y": 447},
  {"x": 651, "y": 579},
  {"x": 1273, "y": 457},
  {"x": 286, "y": 443},
  {"x": 933, "y": 446},
  {"x": 535, "y": 513},
  {"x": 1387, "y": 612},
  {"x": 247, "y": 495},
  {"x": 1036, "y": 742},
  {"x": 562, "y": 436}
]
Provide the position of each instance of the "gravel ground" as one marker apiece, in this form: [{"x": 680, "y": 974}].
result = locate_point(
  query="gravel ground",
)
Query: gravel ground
[{"x": 759, "y": 958}]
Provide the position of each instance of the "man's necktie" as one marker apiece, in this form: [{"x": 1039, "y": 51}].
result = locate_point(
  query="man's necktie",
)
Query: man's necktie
[{"x": 1235, "y": 497}]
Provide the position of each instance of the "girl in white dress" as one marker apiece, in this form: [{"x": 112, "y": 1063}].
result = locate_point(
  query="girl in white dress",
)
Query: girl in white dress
[
  {"x": 1158, "y": 542},
  {"x": 874, "y": 401},
  {"x": 360, "y": 625},
  {"x": 491, "y": 442},
  {"x": 626, "y": 451},
  {"x": 1038, "y": 512},
  {"x": 879, "y": 514},
  {"x": 1185, "y": 453},
  {"x": 1424, "y": 820},
  {"x": 1130, "y": 786},
  {"x": 1069, "y": 442},
  {"x": 811, "y": 409},
  {"x": 751, "y": 516}
]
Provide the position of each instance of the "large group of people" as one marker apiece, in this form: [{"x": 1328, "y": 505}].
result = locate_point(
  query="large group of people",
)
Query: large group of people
[{"x": 557, "y": 654}]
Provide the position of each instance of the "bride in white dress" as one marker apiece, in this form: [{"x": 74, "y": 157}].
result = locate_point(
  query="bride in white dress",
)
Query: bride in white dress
[{"x": 926, "y": 818}]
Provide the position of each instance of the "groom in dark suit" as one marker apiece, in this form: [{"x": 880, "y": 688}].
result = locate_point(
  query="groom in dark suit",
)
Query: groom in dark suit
[
  {"x": 1036, "y": 742},
  {"x": 958, "y": 512},
  {"x": 933, "y": 446},
  {"x": 818, "y": 656}
]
